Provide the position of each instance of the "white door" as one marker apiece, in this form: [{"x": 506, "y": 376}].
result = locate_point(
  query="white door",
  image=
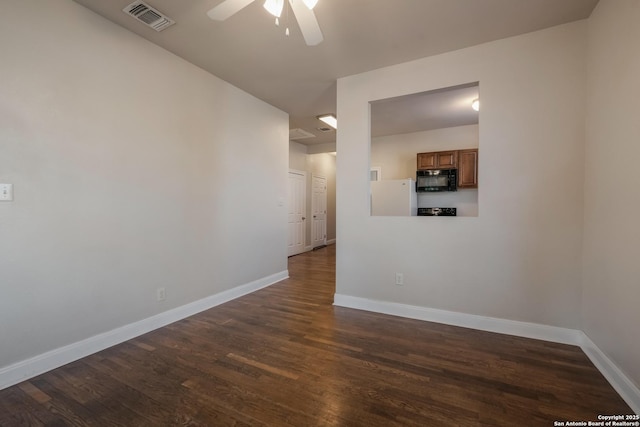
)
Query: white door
[
  {"x": 319, "y": 211},
  {"x": 297, "y": 208}
]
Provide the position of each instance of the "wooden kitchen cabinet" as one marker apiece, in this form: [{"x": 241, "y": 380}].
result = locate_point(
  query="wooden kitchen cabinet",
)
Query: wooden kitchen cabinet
[
  {"x": 468, "y": 168},
  {"x": 438, "y": 160},
  {"x": 426, "y": 161}
]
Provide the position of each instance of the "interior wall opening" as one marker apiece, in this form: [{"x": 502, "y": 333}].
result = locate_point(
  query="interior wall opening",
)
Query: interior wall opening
[{"x": 424, "y": 153}]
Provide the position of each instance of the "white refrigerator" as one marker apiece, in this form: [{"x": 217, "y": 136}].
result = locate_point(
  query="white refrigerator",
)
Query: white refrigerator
[{"x": 394, "y": 197}]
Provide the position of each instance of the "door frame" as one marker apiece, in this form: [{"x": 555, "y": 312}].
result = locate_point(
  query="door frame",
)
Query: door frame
[{"x": 324, "y": 239}]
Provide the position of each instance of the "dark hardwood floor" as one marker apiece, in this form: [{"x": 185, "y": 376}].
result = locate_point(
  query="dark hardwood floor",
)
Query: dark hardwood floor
[{"x": 284, "y": 356}]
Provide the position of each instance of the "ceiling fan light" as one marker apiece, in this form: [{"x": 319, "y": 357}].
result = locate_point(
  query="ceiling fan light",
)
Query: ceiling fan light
[
  {"x": 329, "y": 119},
  {"x": 274, "y": 7},
  {"x": 310, "y": 3}
]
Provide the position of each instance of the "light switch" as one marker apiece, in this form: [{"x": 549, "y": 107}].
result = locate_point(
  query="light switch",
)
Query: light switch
[{"x": 6, "y": 192}]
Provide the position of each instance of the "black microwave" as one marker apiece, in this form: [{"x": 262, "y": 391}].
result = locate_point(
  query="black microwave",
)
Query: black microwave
[{"x": 436, "y": 180}]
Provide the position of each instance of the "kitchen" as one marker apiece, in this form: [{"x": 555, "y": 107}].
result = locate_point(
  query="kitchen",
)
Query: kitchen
[{"x": 430, "y": 139}]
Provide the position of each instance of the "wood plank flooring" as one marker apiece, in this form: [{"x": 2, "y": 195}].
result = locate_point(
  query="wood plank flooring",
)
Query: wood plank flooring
[{"x": 284, "y": 356}]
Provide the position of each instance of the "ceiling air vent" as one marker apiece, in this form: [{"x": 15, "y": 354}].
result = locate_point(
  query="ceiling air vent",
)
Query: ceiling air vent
[
  {"x": 148, "y": 15},
  {"x": 300, "y": 134}
]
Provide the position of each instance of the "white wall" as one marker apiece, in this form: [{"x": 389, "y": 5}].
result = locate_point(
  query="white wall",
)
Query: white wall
[
  {"x": 130, "y": 173},
  {"x": 521, "y": 258},
  {"x": 610, "y": 311},
  {"x": 396, "y": 155},
  {"x": 298, "y": 156}
]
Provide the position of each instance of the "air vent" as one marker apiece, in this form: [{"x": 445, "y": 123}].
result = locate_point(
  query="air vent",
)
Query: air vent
[
  {"x": 300, "y": 134},
  {"x": 149, "y": 16}
]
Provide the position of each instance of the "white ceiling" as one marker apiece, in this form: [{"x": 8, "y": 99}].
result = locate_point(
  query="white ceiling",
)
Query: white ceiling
[
  {"x": 250, "y": 52},
  {"x": 443, "y": 108}
]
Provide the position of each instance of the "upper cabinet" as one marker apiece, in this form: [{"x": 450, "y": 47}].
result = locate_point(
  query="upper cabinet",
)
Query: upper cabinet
[
  {"x": 466, "y": 161},
  {"x": 438, "y": 160},
  {"x": 468, "y": 168}
]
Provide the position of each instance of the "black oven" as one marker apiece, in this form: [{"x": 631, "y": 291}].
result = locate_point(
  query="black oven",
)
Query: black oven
[{"x": 436, "y": 180}]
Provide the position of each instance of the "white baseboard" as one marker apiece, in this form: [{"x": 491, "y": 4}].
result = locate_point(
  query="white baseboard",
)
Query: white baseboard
[
  {"x": 618, "y": 380},
  {"x": 331, "y": 242},
  {"x": 472, "y": 321},
  {"x": 23, "y": 370}
]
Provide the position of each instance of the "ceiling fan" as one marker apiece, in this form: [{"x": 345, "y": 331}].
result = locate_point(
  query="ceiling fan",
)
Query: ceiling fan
[{"x": 302, "y": 9}]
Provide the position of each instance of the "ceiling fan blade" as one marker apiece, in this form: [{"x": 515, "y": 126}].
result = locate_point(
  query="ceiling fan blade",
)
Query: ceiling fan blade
[
  {"x": 227, "y": 8},
  {"x": 307, "y": 22}
]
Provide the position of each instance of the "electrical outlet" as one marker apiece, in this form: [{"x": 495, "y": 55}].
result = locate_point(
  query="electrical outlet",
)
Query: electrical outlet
[
  {"x": 399, "y": 279},
  {"x": 161, "y": 294}
]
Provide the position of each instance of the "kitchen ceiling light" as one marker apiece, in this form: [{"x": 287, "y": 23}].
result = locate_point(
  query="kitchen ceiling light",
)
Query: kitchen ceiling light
[
  {"x": 329, "y": 119},
  {"x": 475, "y": 104}
]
